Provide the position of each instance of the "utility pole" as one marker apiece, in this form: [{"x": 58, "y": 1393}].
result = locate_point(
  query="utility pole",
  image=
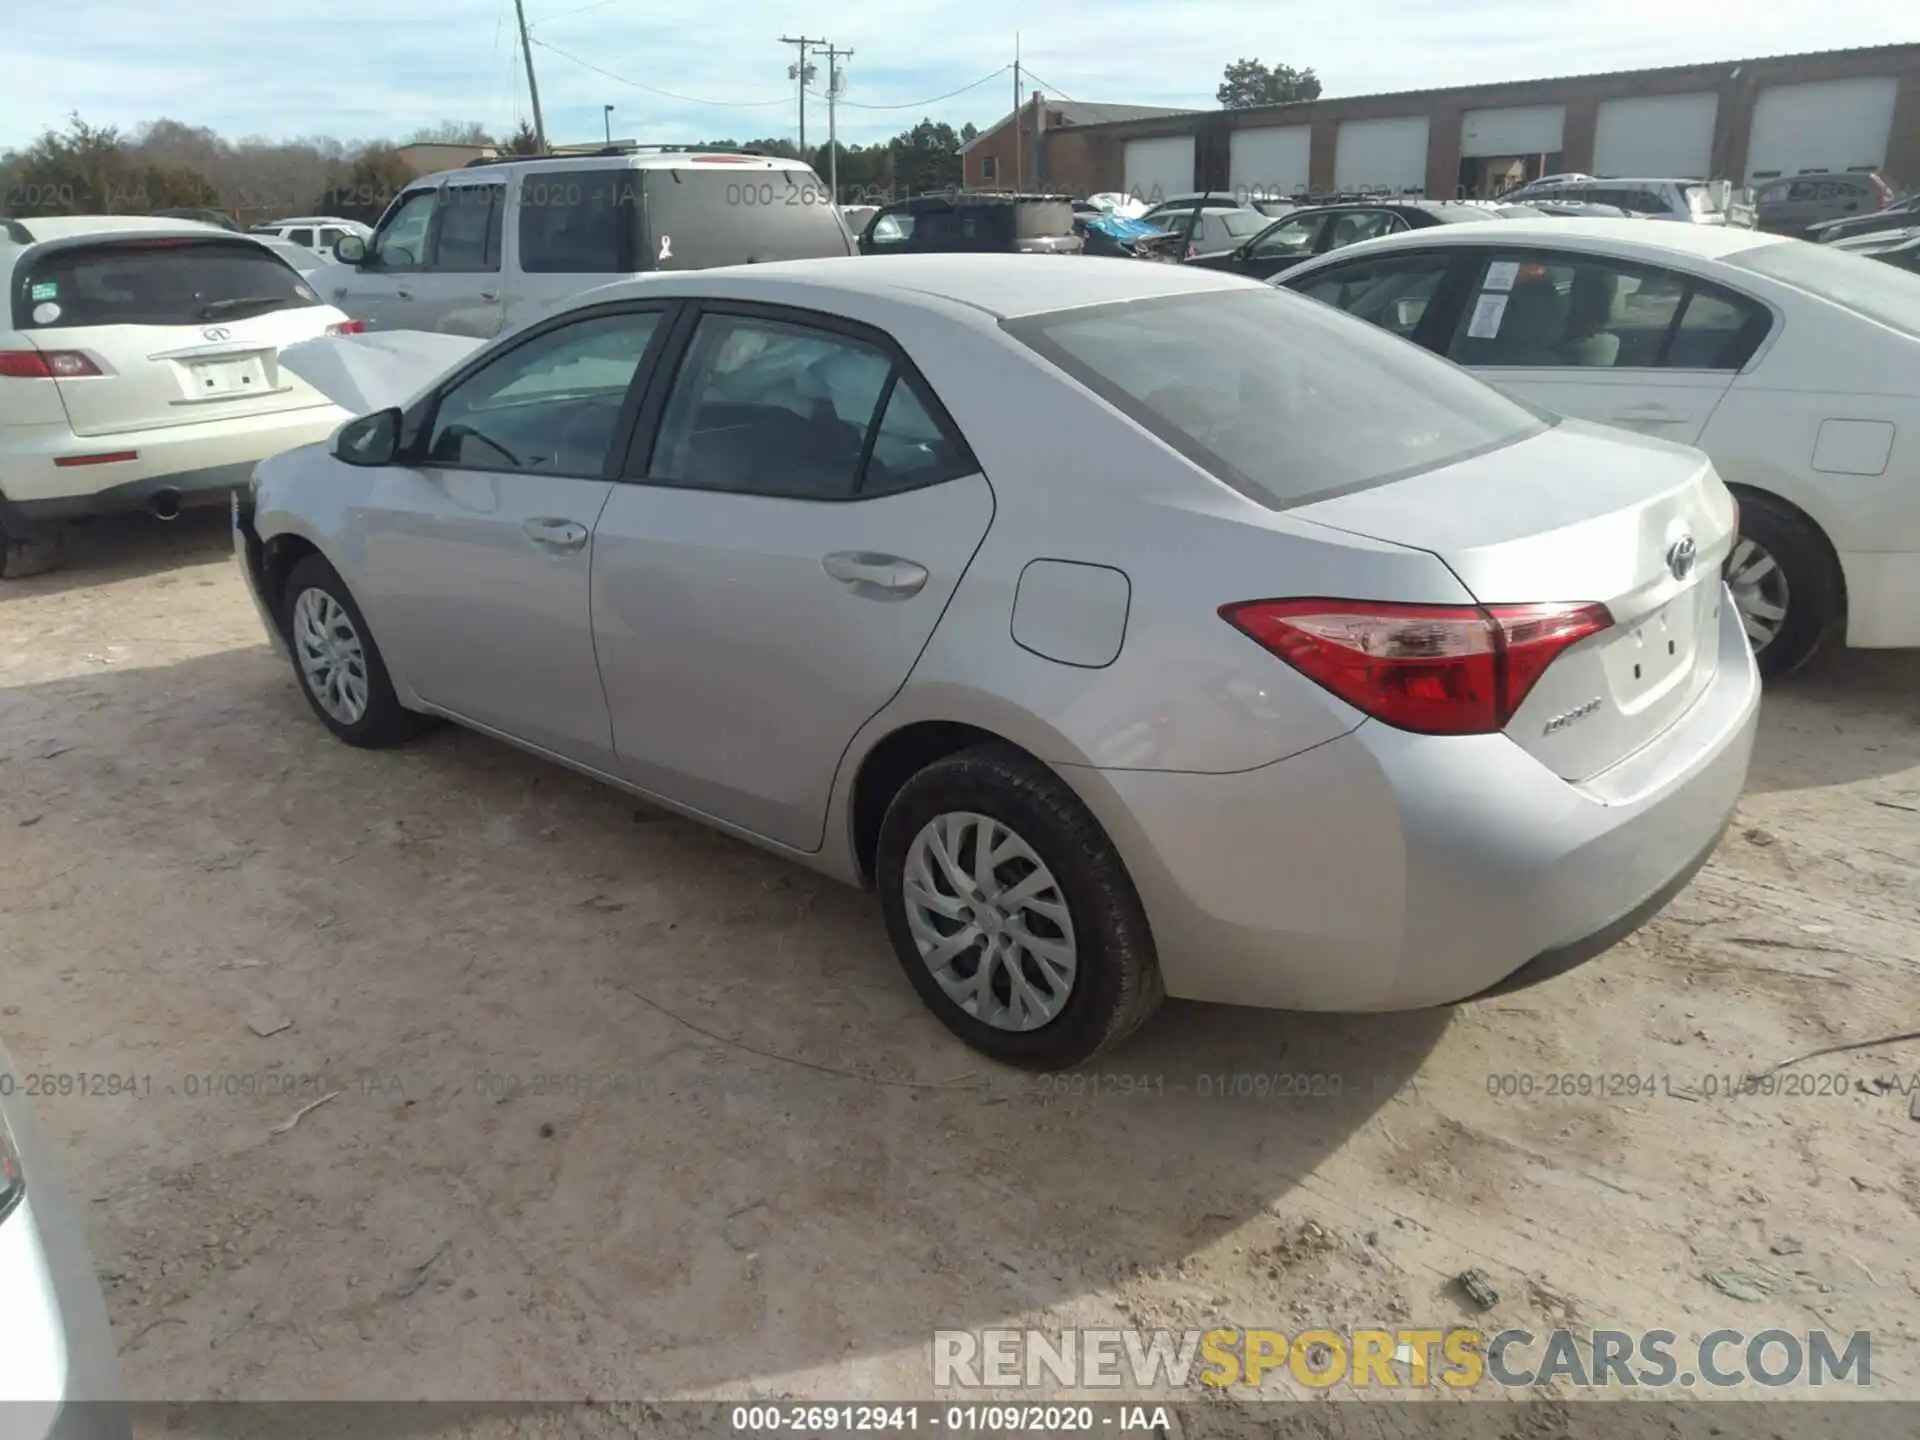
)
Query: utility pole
[
  {"x": 833, "y": 96},
  {"x": 533, "y": 86},
  {"x": 1019, "y": 141},
  {"x": 800, "y": 70}
]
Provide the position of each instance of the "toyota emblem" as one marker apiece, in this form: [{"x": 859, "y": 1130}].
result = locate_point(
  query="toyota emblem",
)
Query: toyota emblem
[
  {"x": 216, "y": 332},
  {"x": 1681, "y": 555}
]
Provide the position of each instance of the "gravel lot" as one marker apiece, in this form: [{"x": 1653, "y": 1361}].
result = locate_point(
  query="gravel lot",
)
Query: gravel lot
[{"x": 739, "y": 1158}]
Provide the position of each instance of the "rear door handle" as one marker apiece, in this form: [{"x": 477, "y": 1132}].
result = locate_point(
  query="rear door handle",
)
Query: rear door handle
[
  {"x": 404, "y": 294},
  {"x": 1655, "y": 414},
  {"x": 555, "y": 534},
  {"x": 489, "y": 295},
  {"x": 876, "y": 577}
]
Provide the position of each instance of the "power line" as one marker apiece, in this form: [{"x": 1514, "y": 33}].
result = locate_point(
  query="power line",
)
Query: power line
[
  {"x": 934, "y": 100},
  {"x": 655, "y": 90}
]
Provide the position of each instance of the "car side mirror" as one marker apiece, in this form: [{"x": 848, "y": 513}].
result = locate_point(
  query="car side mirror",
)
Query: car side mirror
[
  {"x": 350, "y": 250},
  {"x": 371, "y": 440}
]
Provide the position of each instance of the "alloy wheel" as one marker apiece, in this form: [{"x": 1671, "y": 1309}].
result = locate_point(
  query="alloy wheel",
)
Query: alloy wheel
[
  {"x": 1760, "y": 591},
  {"x": 989, "y": 920},
  {"x": 333, "y": 662}
]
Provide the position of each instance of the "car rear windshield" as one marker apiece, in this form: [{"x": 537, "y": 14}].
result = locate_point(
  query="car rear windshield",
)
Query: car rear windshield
[
  {"x": 704, "y": 215},
  {"x": 1287, "y": 400},
  {"x": 160, "y": 281},
  {"x": 1855, "y": 282}
]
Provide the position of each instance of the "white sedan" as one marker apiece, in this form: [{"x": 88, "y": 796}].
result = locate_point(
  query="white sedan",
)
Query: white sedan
[
  {"x": 139, "y": 368},
  {"x": 1796, "y": 367}
]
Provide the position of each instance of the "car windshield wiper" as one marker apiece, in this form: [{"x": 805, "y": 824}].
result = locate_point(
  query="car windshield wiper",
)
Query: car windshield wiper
[{"x": 237, "y": 302}]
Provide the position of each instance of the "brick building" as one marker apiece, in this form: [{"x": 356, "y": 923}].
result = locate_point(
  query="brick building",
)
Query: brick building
[{"x": 1744, "y": 120}]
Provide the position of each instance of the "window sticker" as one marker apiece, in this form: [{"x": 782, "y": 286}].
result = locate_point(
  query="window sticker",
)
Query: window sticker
[
  {"x": 666, "y": 247},
  {"x": 46, "y": 290},
  {"x": 1488, "y": 312},
  {"x": 1501, "y": 275},
  {"x": 45, "y": 313}
]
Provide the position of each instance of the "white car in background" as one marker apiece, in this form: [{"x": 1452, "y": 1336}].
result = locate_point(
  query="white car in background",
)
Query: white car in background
[
  {"x": 1796, "y": 367},
  {"x": 139, "y": 368},
  {"x": 304, "y": 261},
  {"x": 318, "y": 233},
  {"x": 59, "y": 1376}
]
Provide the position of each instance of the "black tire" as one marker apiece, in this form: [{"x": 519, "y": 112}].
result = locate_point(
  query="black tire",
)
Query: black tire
[
  {"x": 1814, "y": 592},
  {"x": 31, "y": 552},
  {"x": 1117, "y": 983},
  {"x": 385, "y": 722}
]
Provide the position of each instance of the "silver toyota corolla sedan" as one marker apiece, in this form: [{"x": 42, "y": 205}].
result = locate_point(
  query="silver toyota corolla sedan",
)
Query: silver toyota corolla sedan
[{"x": 1134, "y": 630}]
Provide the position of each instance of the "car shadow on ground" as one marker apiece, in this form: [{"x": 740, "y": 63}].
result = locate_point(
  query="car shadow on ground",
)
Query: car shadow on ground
[
  {"x": 630, "y": 1078},
  {"x": 1850, "y": 715},
  {"x": 109, "y": 548}
]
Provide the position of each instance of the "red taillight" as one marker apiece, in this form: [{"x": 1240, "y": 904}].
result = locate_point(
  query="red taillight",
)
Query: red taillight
[
  {"x": 105, "y": 457},
  {"x": 1433, "y": 669},
  {"x": 347, "y": 327},
  {"x": 45, "y": 364}
]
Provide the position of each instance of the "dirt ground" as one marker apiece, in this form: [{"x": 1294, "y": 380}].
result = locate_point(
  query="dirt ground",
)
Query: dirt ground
[{"x": 615, "y": 1107}]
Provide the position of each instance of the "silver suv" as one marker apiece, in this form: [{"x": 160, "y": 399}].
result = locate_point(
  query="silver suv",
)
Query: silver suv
[{"x": 482, "y": 250}]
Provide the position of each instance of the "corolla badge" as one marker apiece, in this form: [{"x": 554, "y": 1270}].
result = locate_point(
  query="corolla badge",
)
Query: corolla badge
[
  {"x": 1681, "y": 555},
  {"x": 1578, "y": 713}
]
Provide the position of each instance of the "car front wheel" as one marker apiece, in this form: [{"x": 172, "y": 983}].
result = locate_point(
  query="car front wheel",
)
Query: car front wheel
[
  {"x": 337, "y": 663},
  {"x": 1012, "y": 913}
]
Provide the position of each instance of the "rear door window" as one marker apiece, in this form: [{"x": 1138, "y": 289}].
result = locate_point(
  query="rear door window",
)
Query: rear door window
[
  {"x": 301, "y": 237},
  {"x": 1392, "y": 292},
  {"x": 703, "y": 215},
  {"x": 156, "y": 282},
  {"x": 580, "y": 222}
]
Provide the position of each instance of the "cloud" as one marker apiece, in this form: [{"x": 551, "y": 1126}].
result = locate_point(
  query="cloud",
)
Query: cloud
[{"x": 365, "y": 68}]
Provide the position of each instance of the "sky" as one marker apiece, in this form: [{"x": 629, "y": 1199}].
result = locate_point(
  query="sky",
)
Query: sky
[{"x": 678, "y": 71}]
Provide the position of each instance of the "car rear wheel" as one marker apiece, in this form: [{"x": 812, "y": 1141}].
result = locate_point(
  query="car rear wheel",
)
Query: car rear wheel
[
  {"x": 1012, "y": 913},
  {"x": 30, "y": 553},
  {"x": 337, "y": 663},
  {"x": 1785, "y": 585}
]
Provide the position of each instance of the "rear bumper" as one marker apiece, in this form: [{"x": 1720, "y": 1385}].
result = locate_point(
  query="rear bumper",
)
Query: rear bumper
[
  {"x": 203, "y": 459},
  {"x": 1390, "y": 871}
]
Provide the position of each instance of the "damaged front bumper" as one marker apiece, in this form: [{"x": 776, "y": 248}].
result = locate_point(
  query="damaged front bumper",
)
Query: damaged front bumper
[{"x": 250, "y": 555}]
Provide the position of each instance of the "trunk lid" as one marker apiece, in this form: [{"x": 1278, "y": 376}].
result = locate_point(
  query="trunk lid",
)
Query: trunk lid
[
  {"x": 1579, "y": 514},
  {"x": 180, "y": 330}
]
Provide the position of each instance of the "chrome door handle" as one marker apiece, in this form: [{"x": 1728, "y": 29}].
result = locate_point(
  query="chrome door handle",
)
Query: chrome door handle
[
  {"x": 555, "y": 534},
  {"x": 877, "y": 577},
  {"x": 404, "y": 294},
  {"x": 489, "y": 295}
]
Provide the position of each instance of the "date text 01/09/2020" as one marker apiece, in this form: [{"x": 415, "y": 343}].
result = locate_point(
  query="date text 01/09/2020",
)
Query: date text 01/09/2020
[
  {"x": 1792, "y": 1084},
  {"x": 975, "y": 1419}
]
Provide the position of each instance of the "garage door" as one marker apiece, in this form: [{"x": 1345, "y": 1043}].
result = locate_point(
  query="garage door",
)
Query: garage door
[
  {"x": 1273, "y": 160},
  {"x": 1382, "y": 155},
  {"x": 1835, "y": 125},
  {"x": 1516, "y": 130},
  {"x": 1656, "y": 137},
  {"x": 1160, "y": 167}
]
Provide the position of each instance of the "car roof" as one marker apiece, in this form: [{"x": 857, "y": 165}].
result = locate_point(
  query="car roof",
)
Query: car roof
[
  {"x": 1002, "y": 286},
  {"x": 1708, "y": 242},
  {"x": 616, "y": 158}
]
